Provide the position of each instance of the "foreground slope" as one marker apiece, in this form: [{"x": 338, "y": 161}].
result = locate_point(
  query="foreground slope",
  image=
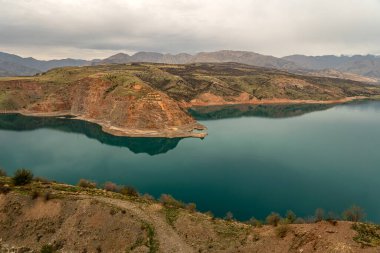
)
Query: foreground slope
[
  {"x": 74, "y": 219},
  {"x": 151, "y": 100}
]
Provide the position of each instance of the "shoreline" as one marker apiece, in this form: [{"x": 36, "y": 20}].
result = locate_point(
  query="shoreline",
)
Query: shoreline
[{"x": 186, "y": 131}]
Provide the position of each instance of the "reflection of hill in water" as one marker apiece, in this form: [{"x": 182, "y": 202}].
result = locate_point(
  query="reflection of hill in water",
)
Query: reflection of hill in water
[
  {"x": 268, "y": 111},
  {"x": 152, "y": 146}
]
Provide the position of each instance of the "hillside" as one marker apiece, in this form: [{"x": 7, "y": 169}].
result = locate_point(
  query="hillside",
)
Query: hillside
[
  {"x": 63, "y": 218},
  {"x": 364, "y": 65},
  {"x": 151, "y": 100}
]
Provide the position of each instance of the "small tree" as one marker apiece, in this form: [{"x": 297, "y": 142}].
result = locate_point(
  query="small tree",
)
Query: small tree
[
  {"x": 291, "y": 216},
  {"x": 86, "y": 183},
  {"x": 354, "y": 213},
  {"x": 273, "y": 219},
  {"x": 128, "y": 191},
  {"x": 229, "y": 216},
  {"x": 254, "y": 222},
  {"x": 112, "y": 187},
  {"x": 22, "y": 177},
  {"x": 319, "y": 214}
]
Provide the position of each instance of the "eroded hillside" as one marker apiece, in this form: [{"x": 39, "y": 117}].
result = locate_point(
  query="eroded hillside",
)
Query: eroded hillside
[
  {"x": 64, "y": 218},
  {"x": 152, "y": 99}
]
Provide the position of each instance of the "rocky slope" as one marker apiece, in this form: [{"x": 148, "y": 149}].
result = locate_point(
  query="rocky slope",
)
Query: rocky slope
[
  {"x": 65, "y": 218},
  {"x": 151, "y": 100}
]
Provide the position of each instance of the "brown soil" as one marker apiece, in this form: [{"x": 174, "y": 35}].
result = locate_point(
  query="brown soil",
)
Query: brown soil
[{"x": 89, "y": 220}]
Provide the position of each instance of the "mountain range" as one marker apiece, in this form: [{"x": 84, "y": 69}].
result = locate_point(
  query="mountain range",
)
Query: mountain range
[{"x": 365, "y": 68}]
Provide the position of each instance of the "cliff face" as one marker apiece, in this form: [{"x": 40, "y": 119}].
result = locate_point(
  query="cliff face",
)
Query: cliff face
[{"x": 150, "y": 100}]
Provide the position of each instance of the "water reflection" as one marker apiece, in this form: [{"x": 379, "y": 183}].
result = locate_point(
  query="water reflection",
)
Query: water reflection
[
  {"x": 267, "y": 111},
  {"x": 151, "y": 146}
]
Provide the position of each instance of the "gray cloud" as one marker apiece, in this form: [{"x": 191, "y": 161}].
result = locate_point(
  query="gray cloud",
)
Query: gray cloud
[{"x": 96, "y": 28}]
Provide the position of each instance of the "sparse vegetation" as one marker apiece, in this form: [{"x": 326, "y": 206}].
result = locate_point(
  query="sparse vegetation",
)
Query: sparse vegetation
[
  {"x": 290, "y": 216},
  {"x": 255, "y": 222},
  {"x": 47, "y": 248},
  {"x": 282, "y": 230},
  {"x": 112, "y": 187},
  {"x": 168, "y": 201},
  {"x": 319, "y": 214},
  {"x": 128, "y": 191},
  {"x": 84, "y": 183},
  {"x": 368, "y": 234},
  {"x": 354, "y": 213},
  {"x": 229, "y": 216},
  {"x": 22, "y": 177},
  {"x": 273, "y": 219}
]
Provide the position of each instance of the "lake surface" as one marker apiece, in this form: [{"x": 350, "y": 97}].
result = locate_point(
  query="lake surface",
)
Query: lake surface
[{"x": 256, "y": 159}]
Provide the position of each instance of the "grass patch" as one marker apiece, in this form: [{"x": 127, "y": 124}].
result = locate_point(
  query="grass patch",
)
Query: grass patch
[
  {"x": 171, "y": 215},
  {"x": 368, "y": 234},
  {"x": 152, "y": 242}
]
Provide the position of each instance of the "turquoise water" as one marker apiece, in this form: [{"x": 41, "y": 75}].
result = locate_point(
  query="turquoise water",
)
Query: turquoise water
[{"x": 256, "y": 159}]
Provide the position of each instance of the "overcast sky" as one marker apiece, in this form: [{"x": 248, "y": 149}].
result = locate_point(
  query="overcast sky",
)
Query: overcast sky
[{"x": 47, "y": 29}]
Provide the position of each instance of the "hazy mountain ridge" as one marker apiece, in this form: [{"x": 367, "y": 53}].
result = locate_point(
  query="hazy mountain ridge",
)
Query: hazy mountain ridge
[
  {"x": 365, "y": 68},
  {"x": 365, "y": 65},
  {"x": 14, "y": 65}
]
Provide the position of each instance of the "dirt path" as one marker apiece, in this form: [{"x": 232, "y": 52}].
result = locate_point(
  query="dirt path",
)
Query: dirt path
[{"x": 169, "y": 240}]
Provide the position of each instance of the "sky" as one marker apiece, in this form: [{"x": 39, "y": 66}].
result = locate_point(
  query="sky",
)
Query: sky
[{"x": 88, "y": 29}]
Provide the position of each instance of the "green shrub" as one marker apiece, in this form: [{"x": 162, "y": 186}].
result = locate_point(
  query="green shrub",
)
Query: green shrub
[
  {"x": 282, "y": 230},
  {"x": 254, "y": 222},
  {"x": 128, "y": 191},
  {"x": 84, "y": 183},
  {"x": 4, "y": 189},
  {"x": 319, "y": 214},
  {"x": 22, "y": 177},
  {"x": 273, "y": 219},
  {"x": 229, "y": 216},
  {"x": 169, "y": 201},
  {"x": 291, "y": 216},
  {"x": 192, "y": 207},
  {"x": 47, "y": 248},
  {"x": 354, "y": 213},
  {"x": 112, "y": 187},
  {"x": 368, "y": 234}
]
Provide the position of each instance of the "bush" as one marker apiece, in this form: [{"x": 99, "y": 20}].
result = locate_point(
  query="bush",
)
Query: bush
[
  {"x": 47, "y": 248},
  {"x": 319, "y": 214},
  {"x": 229, "y": 216},
  {"x": 192, "y": 207},
  {"x": 86, "y": 184},
  {"x": 22, "y": 177},
  {"x": 254, "y": 222},
  {"x": 148, "y": 197},
  {"x": 41, "y": 180},
  {"x": 2, "y": 172},
  {"x": 282, "y": 230},
  {"x": 354, "y": 213},
  {"x": 291, "y": 216},
  {"x": 169, "y": 201},
  {"x": 112, "y": 187},
  {"x": 299, "y": 221},
  {"x": 4, "y": 189},
  {"x": 129, "y": 191},
  {"x": 273, "y": 219}
]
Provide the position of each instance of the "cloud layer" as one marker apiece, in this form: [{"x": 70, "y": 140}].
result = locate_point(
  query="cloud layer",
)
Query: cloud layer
[{"x": 97, "y": 28}]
